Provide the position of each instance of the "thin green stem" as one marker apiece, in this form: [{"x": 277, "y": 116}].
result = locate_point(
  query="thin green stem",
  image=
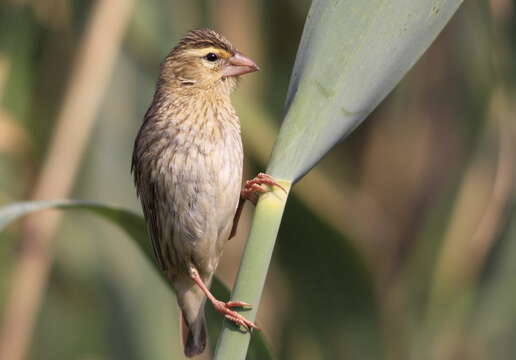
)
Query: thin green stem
[{"x": 233, "y": 343}]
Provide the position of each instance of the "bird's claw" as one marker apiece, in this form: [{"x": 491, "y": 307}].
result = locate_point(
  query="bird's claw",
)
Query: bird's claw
[
  {"x": 251, "y": 187},
  {"x": 231, "y": 315},
  {"x": 242, "y": 323},
  {"x": 240, "y": 304}
]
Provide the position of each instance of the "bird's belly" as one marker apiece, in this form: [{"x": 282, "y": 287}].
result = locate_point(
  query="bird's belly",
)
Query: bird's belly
[{"x": 204, "y": 188}]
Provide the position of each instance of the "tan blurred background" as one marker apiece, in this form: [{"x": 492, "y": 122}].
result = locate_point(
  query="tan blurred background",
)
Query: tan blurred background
[{"x": 399, "y": 245}]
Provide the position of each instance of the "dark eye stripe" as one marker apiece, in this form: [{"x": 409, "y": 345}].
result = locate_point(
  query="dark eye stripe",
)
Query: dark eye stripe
[{"x": 212, "y": 57}]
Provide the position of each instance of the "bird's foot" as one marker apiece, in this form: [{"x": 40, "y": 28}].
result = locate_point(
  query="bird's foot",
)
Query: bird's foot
[
  {"x": 260, "y": 184},
  {"x": 222, "y": 307},
  {"x": 251, "y": 187},
  {"x": 231, "y": 315}
]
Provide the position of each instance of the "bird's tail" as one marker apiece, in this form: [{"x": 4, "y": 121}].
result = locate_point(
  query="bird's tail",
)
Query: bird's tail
[
  {"x": 194, "y": 335},
  {"x": 191, "y": 300}
]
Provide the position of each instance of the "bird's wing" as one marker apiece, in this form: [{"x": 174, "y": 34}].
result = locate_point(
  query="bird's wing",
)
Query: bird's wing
[
  {"x": 148, "y": 193},
  {"x": 149, "y": 203}
]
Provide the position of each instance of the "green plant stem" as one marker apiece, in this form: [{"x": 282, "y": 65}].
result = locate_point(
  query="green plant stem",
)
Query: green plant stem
[{"x": 233, "y": 343}]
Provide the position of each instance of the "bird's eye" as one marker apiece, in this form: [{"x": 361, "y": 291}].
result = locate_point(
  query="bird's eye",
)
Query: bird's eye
[{"x": 212, "y": 57}]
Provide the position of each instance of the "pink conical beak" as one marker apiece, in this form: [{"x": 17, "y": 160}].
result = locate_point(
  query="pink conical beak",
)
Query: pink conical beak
[{"x": 239, "y": 64}]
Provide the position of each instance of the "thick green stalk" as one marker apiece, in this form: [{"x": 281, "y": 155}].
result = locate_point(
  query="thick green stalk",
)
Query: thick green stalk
[{"x": 233, "y": 343}]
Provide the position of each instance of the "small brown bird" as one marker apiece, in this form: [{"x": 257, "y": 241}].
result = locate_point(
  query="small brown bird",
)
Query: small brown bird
[{"x": 187, "y": 166}]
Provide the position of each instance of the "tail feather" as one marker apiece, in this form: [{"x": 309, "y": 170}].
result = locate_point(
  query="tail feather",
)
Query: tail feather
[
  {"x": 191, "y": 300},
  {"x": 194, "y": 336}
]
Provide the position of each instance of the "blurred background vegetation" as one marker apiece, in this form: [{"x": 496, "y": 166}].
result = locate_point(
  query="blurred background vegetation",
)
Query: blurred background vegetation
[{"x": 399, "y": 245}]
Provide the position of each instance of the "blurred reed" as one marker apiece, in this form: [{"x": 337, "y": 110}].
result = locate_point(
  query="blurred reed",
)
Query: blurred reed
[{"x": 88, "y": 79}]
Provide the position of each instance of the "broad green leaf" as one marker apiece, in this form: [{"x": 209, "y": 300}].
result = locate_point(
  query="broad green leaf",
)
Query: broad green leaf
[
  {"x": 129, "y": 221},
  {"x": 134, "y": 225},
  {"x": 352, "y": 54}
]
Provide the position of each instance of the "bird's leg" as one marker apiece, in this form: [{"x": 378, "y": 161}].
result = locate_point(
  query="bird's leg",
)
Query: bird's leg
[
  {"x": 251, "y": 187},
  {"x": 238, "y": 212},
  {"x": 224, "y": 307}
]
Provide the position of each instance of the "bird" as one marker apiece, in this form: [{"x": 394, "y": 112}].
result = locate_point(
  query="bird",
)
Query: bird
[{"x": 187, "y": 167}]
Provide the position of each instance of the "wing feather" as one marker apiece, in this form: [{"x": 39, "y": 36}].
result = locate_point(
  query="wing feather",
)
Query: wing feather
[{"x": 147, "y": 190}]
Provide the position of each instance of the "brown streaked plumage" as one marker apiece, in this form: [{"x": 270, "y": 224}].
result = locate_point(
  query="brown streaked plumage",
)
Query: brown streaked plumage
[{"x": 187, "y": 166}]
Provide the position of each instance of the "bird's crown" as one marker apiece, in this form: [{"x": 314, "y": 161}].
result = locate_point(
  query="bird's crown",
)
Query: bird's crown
[{"x": 204, "y": 38}]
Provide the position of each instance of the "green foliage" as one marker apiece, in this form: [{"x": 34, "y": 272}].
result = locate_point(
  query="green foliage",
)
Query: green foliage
[
  {"x": 351, "y": 56},
  {"x": 134, "y": 225}
]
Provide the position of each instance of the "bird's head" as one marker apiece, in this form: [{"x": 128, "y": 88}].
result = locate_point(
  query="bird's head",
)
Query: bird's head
[{"x": 204, "y": 59}]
